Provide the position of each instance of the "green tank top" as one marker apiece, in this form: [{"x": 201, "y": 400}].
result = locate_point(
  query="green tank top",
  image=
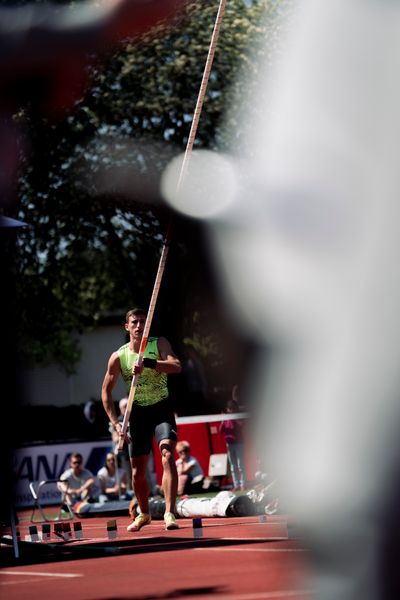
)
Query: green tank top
[{"x": 152, "y": 386}]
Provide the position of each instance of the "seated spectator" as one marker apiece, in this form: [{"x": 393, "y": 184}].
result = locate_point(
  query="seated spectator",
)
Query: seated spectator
[
  {"x": 190, "y": 473},
  {"x": 112, "y": 480},
  {"x": 77, "y": 483}
]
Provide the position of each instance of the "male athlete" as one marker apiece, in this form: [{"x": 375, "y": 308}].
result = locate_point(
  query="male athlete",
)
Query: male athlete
[{"x": 151, "y": 413}]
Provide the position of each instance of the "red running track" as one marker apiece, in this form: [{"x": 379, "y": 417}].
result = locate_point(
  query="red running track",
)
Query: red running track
[{"x": 234, "y": 559}]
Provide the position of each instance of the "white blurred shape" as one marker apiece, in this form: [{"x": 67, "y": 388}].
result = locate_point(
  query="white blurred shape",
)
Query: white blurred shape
[
  {"x": 308, "y": 252},
  {"x": 208, "y": 186}
]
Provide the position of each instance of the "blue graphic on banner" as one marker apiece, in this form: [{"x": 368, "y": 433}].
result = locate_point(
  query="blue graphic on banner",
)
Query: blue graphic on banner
[
  {"x": 40, "y": 463},
  {"x": 97, "y": 459}
]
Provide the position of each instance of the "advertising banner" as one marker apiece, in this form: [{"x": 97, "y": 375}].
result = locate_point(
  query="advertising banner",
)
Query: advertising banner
[{"x": 38, "y": 463}]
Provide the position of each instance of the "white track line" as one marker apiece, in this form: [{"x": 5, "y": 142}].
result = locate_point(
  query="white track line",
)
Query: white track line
[
  {"x": 268, "y": 595},
  {"x": 251, "y": 524},
  {"x": 40, "y": 574},
  {"x": 253, "y": 549}
]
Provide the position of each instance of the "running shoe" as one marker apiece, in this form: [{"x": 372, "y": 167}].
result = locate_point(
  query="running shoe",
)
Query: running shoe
[
  {"x": 141, "y": 520},
  {"x": 170, "y": 522}
]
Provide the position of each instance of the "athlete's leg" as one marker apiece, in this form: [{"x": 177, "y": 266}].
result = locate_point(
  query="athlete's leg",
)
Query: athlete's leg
[
  {"x": 141, "y": 433},
  {"x": 139, "y": 481},
  {"x": 170, "y": 474},
  {"x": 165, "y": 434}
]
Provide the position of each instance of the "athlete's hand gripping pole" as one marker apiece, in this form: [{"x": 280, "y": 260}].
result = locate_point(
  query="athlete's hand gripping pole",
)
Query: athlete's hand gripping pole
[{"x": 146, "y": 330}]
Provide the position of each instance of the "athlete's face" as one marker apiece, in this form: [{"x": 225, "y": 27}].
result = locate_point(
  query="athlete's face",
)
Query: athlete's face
[{"x": 135, "y": 326}]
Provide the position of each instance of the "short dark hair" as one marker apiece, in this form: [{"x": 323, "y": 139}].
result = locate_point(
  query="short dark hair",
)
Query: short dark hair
[
  {"x": 77, "y": 456},
  {"x": 134, "y": 312}
]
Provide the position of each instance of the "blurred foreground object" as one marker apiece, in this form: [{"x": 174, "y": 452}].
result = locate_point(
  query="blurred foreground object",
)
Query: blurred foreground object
[
  {"x": 308, "y": 254},
  {"x": 9, "y": 436},
  {"x": 45, "y": 50},
  {"x": 36, "y": 34},
  {"x": 44, "y": 53}
]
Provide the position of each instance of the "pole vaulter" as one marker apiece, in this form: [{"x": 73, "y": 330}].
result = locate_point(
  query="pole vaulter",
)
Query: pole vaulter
[{"x": 168, "y": 236}]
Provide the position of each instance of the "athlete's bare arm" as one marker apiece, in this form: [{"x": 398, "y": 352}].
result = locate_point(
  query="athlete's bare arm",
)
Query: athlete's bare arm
[
  {"x": 169, "y": 362},
  {"x": 110, "y": 379}
]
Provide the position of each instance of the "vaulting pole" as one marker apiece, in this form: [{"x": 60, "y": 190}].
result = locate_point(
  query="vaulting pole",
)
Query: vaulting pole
[{"x": 167, "y": 239}]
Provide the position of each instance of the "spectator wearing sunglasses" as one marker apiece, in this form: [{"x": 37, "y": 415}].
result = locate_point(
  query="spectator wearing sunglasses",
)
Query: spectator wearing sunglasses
[{"x": 76, "y": 483}]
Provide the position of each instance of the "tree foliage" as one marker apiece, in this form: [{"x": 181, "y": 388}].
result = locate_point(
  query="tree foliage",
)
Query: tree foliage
[{"x": 89, "y": 184}]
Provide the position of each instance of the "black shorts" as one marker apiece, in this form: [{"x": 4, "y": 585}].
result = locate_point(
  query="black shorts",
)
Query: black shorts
[{"x": 146, "y": 421}]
